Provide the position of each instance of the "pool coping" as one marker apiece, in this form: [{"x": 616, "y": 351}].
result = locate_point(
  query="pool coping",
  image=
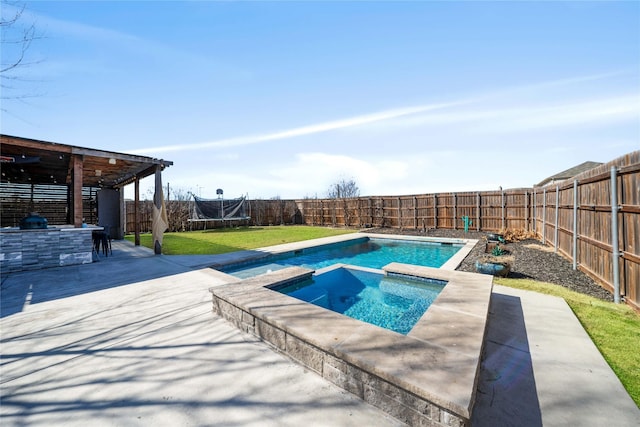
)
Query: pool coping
[{"x": 428, "y": 376}]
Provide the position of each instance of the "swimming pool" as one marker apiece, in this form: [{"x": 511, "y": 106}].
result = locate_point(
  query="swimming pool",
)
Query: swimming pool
[
  {"x": 362, "y": 252},
  {"x": 427, "y": 376},
  {"x": 391, "y": 302}
]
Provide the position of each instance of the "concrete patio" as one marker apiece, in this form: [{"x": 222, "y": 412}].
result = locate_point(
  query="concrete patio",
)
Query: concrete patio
[{"x": 131, "y": 340}]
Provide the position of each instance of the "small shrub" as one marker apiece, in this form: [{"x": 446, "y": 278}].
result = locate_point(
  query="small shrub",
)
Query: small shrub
[
  {"x": 497, "y": 251},
  {"x": 502, "y": 259},
  {"x": 516, "y": 235}
]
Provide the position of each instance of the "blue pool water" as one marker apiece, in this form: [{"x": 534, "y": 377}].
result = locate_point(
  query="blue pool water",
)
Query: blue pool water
[
  {"x": 394, "y": 303},
  {"x": 366, "y": 252}
]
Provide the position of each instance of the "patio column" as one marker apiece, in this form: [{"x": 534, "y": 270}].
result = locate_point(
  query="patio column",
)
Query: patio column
[
  {"x": 136, "y": 211},
  {"x": 77, "y": 190}
]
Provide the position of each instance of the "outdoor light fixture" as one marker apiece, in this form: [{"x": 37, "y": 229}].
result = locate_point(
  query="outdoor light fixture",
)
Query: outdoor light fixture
[
  {"x": 219, "y": 192},
  {"x": 112, "y": 161},
  {"x": 98, "y": 172}
]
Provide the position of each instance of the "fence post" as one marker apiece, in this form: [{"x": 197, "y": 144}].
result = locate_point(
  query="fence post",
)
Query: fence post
[
  {"x": 455, "y": 209},
  {"x": 435, "y": 210},
  {"x": 575, "y": 224},
  {"x": 316, "y": 217},
  {"x": 399, "y": 214},
  {"x": 503, "y": 218},
  {"x": 477, "y": 211},
  {"x": 555, "y": 232},
  {"x": 614, "y": 235},
  {"x": 415, "y": 212},
  {"x": 526, "y": 210},
  {"x": 535, "y": 212},
  {"x": 334, "y": 214},
  {"x": 544, "y": 216}
]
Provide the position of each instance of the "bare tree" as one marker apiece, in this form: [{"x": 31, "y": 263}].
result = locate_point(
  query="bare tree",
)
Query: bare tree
[
  {"x": 177, "y": 204},
  {"x": 343, "y": 188},
  {"x": 17, "y": 36},
  {"x": 279, "y": 210},
  {"x": 259, "y": 211}
]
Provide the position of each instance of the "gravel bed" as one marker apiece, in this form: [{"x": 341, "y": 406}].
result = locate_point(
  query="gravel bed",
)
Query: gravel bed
[{"x": 533, "y": 260}]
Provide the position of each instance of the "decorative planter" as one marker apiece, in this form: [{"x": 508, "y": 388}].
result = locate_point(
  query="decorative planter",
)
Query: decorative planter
[
  {"x": 495, "y": 237},
  {"x": 489, "y": 246},
  {"x": 494, "y": 265},
  {"x": 493, "y": 268}
]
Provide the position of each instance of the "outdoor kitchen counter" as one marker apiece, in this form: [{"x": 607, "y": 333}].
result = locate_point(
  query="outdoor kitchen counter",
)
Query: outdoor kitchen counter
[
  {"x": 54, "y": 246},
  {"x": 65, "y": 227}
]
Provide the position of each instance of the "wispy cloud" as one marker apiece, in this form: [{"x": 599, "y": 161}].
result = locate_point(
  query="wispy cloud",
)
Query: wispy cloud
[
  {"x": 523, "y": 118},
  {"x": 589, "y": 113},
  {"x": 304, "y": 130},
  {"x": 108, "y": 38},
  {"x": 564, "y": 82}
]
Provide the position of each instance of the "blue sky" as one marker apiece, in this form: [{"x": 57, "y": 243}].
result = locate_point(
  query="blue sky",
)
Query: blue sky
[{"x": 284, "y": 98}]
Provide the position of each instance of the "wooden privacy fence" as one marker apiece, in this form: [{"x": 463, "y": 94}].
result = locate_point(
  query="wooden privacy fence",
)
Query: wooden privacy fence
[
  {"x": 594, "y": 220},
  {"x": 49, "y": 201},
  {"x": 480, "y": 211}
]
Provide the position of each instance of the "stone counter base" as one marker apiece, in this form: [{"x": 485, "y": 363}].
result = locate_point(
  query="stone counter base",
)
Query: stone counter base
[{"x": 37, "y": 249}]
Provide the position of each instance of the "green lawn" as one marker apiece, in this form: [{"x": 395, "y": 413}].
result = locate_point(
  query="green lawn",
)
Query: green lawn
[
  {"x": 223, "y": 240},
  {"x": 614, "y": 328}
]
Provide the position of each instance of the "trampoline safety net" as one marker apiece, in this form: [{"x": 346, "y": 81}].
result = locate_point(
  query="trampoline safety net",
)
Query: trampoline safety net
[{"x": 219, "y": 209}]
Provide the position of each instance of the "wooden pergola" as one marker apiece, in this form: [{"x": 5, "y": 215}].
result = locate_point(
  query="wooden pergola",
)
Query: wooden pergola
[{"x": 35, "y": 162}]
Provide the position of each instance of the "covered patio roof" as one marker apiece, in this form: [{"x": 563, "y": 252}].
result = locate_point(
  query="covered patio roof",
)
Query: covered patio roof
[
  {"x": 30, "y": 161},
  {"x": 40, "y": 164}
]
